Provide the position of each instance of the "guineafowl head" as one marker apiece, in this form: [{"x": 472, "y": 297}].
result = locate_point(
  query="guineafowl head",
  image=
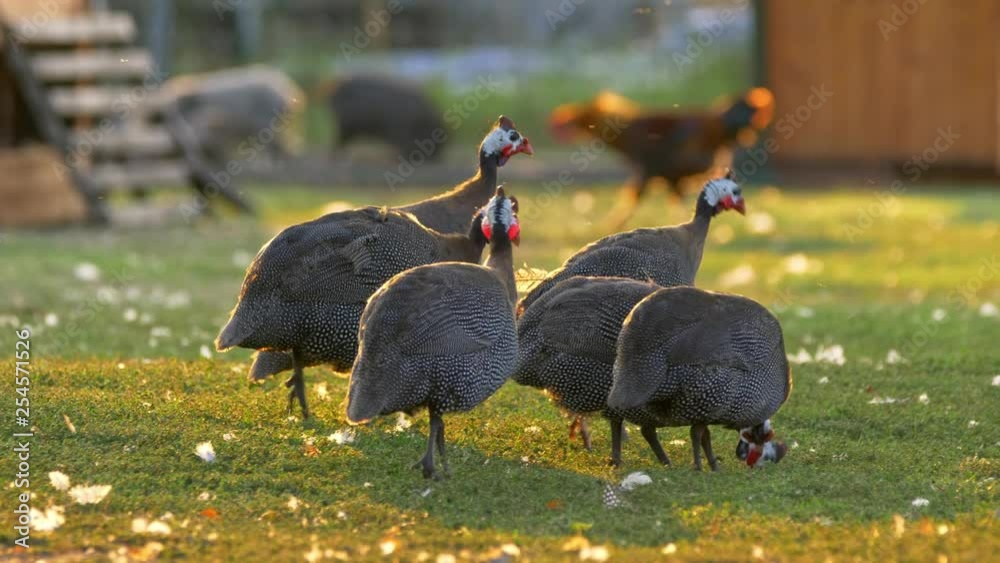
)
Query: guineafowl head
[
  {"x": 722, "y": 194},
  {"x": 757, "y": 445},
  {"x": 499, "y": 219},
  {"x": 504, "y": 141}
]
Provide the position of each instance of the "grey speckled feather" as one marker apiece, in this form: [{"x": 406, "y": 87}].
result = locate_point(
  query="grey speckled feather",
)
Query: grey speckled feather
[
  {"x": 447, "y": 213},
  {"x": 439, "y": 336},
  {"x": 307, "y": 287},
  {"x": 567, "y": 339},
  {"x": 667, "y": 256},
  {"x": 692, "y": 357}
]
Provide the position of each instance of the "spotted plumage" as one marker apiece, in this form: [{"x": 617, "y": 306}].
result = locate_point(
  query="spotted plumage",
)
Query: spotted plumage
[
  {"x": 306, "y": 288},
  {"x": 668, "y": 256},
  {"x": 688, "y": 357},
  {"x": 439, "y": 336},
  {"x": 566, "y": 341},
  {"x": 446, "y": 213}
]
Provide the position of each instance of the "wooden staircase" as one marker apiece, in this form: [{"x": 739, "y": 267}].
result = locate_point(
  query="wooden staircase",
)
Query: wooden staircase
[{"x": 95, "y": 97}]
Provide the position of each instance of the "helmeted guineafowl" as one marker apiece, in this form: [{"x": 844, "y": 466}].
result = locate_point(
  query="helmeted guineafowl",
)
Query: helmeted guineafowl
[
  {"x": 691, "y": 357},
  {"x": 446, "y": 213},
  {"x": 667, "y": 256},
  {"x": 566, "y": 342},
  {"x": 440, "y": 336},
  {"x": 307, "y": 287}
]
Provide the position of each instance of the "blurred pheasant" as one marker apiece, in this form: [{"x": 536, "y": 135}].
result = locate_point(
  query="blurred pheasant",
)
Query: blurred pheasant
[{"x": 670, "y": 145}]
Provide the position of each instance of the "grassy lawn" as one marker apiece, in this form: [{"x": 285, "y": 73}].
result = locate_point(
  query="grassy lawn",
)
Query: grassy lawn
[{"x": 122, "y": 395}]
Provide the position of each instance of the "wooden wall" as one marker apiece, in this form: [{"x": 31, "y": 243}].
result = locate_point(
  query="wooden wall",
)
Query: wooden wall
[{"x": 893, "y": 89}]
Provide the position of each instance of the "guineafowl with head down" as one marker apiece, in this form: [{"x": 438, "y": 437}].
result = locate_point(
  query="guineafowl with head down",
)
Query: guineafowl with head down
[
  {"x": 667, "y": 256},
  {"x": 440, "y": 336},
  {"x": 446, "y": 213},
  {"x": 305, "y": 290},
  {"x": 688, "y": 357},
  {"x": 566, "y": 342}
]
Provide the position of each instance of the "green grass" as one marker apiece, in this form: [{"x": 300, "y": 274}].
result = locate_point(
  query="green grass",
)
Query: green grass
[{"x": 140, "y": 407}]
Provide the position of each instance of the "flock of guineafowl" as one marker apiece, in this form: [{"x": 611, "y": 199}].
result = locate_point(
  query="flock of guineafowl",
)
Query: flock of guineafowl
[{"x": 397, "y": 296}]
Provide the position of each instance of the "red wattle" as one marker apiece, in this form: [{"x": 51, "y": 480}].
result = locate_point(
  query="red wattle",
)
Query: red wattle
[
  {"x": 514, "y": 231},
  {"x": 487, "y": 231},
  {"x": 753, "y": 456}
]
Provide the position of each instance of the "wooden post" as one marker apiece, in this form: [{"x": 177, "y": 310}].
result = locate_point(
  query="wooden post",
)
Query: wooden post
[
  {"x": 159, "y": 29},
  {"x": 246, "y": 23}
]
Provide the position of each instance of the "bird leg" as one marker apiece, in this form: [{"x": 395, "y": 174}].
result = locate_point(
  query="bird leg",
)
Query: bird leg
[
  {"x": 440, "y": 446},
  {"x": 297, "y": 384},
  {"x": 427, "y": 462},
  {"x": 696, "y": 432},
  {"x": 580, "y": 423},
  {"x": 706, "y": 444},
  {"x": 617, "y": 425},
  {"x": 649, "y": 433}
]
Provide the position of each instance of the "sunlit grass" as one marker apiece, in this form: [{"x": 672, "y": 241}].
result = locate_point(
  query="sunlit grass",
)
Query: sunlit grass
[{"x": 140, "y": 397}]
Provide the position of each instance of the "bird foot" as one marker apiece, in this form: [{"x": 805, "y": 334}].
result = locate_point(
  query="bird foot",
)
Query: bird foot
[
  {"x": 580, "y": 425},
  {"x": 427, "y": 467},
  {"x": 297, "y": 393}
]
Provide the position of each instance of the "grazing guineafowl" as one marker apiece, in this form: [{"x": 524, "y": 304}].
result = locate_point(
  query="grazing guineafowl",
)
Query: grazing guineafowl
[
  {"x": 691, "y": 357},
  {"x": 306, "y": 288},
  {"x": 440, "y": 336},
  {"x": 668, "y": 256},
  {"x": 566, "y": 342},
  {"x": 446, "y": 213}
]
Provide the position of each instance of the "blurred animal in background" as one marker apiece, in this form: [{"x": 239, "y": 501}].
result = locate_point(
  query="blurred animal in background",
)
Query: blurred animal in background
[
  {"x": 240, "y": 113},
  {"x": 385, "y": 109},
  {"x": 664, "y": 144}
]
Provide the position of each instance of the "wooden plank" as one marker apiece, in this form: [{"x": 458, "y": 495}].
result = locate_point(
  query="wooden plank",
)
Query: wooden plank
[
  {"x": 101, "y": 64},
  {"x": 98, "y": 101},
  {"x": 94, "y": 29},
  {"x": 142, "y": 141},
  {"x": 142, "y": 174}
]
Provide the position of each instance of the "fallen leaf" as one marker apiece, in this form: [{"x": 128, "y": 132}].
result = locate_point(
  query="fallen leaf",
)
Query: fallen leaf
[{"x": 210, "y": 513}]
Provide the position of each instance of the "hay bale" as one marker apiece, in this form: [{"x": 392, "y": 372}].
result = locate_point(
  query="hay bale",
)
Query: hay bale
[{"x": 35, "y": 191}]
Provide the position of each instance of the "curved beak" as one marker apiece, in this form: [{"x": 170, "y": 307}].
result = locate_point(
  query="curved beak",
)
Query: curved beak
[{"x": 526, "y": 147}]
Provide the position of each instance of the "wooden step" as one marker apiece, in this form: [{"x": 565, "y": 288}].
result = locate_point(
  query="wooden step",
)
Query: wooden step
[
  {"x": 142, "y": 141},
  {"x": 99, "y": 28},
  {"x": 141, "y": 174},
  {"x": 99, "y": 101},
  {"x": 99, "y": 64}
]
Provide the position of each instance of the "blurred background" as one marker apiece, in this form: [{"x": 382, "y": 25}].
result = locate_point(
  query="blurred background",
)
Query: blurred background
[{"x": 861, "y": 89}]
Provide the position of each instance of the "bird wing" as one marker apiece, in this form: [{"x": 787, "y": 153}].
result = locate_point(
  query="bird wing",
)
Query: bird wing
[
  {"x": 346, "y": 261},
  {"x": 441, "y": 314},
  {"x": 583, "y": 323},
  {"x": 695, "y": 328}
]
